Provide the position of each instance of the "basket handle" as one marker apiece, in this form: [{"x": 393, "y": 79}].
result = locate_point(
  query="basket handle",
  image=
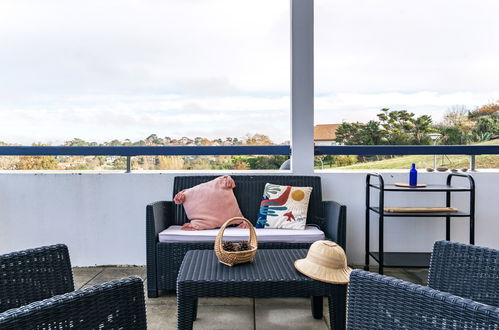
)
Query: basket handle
[{"x": 252, "y": 237}]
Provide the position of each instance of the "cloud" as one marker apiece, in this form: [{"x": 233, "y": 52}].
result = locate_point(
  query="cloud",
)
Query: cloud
[
  {"x": 363, "y": 107},
  {"x": 136, "y": 117},
  {"x": 122, "y": 68}
]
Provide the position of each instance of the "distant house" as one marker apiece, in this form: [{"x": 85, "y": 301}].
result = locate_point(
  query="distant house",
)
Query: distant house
[
  {"x": 325, "y": 135},
  {"x": 185, "y": 141}
]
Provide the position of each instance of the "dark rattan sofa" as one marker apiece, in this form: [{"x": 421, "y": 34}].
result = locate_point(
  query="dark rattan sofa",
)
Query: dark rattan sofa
[
  {"x": 164, "y": 259},
  {"x": 37, "y": 292}
]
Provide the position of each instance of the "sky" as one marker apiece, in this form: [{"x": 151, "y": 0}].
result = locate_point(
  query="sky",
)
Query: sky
[{"x": 117, "y": 69}]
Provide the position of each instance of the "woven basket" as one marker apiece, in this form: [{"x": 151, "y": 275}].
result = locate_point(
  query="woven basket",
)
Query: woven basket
[{"x": 231, "y": 258}]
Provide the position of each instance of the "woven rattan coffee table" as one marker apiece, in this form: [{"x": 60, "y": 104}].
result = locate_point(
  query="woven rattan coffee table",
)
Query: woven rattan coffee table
[{"x": 272, "y": 274}]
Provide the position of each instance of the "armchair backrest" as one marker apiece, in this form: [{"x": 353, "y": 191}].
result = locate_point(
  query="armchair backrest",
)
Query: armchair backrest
[
  {"x": 465, "y": 270},
  {"x": 382, "y": 302},
  {"x": 34, "y": 274},
  {"x": 249, "y": 192}
]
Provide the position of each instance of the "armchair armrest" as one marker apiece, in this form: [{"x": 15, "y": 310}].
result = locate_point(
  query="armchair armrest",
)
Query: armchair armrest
[
  {"x": 381, "y": 302},
  {"x": 34, "y": 274},
  {"x": 117, "y": 304},
  {"x": 159, "y": 216},
  {"x": 336, "y": 222}
]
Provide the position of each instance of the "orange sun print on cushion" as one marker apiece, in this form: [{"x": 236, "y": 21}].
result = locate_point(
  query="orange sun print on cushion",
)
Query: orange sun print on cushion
[{"x": 298, "y": 195}]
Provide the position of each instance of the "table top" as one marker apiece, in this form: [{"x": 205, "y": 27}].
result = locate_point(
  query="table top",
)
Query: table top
[
  {"x": 429, "y": 187},
  {"x": 269, "y": 265}
]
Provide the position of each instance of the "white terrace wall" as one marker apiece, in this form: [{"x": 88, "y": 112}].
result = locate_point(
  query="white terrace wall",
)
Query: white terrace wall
[{"x": 101, "y": 216}]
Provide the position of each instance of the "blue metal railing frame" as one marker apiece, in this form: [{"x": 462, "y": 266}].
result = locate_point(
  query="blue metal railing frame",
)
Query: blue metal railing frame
[
  {"x": 144, "y": 150},
  {"x": 471, "y": 150},
  {"x": 244, "y": 150},
  {"x": 130, "y": 151}
]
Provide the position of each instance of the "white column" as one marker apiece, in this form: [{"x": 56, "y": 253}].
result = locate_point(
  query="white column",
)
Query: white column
[{"x": 302, "y": 86}]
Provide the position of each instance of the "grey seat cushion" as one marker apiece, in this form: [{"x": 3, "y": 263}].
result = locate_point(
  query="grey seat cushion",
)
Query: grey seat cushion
[{"x": 308, "y": 235}]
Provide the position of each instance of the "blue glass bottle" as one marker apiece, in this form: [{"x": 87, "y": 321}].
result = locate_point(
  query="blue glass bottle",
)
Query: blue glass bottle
[{"x": 413, "y": 176}]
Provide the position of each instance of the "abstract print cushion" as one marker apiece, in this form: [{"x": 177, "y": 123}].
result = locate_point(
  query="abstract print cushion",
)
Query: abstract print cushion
[
  {"x": 209, "y": 205},
  {"x": 284, "y": 207}
]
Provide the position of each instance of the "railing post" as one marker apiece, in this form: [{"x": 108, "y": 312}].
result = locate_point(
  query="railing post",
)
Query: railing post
[
  {"x": 302, "y": 86},
  {"x": 473, "y": 163},
  {"x": 128, "y": 164}
]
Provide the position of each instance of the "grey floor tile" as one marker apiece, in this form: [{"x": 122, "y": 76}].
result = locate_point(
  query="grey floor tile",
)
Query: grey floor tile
[
  {"x": 82, "y": 275},
  {"x": 226, "y": 301},
  {"x": 400, "y": 273},
  {"x": 283, "y": 301},
  {"x": 420, "y": 275},
  {"x": 224, "y": 318},
  {"x": 161, "y": 317},
  {"x": 115, "y": 273},
  {"x": 282, "y": 313},
  {"x": 164, "y": 299}
]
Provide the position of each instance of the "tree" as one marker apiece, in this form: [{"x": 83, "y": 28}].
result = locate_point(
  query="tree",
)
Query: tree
[
  {"x": 154, "y": 139},
  {"x": 119, "y": 163},
  {"x": 206, "y": 142},
  {"x": 170, "y": 163},
  {"x": 452, "y": 135},
  {"x": 396, "y": 126},
  {"x": 79, "y": 167},
  {"x": 115, "y": 143},
  {"x": 485, "y": 110},
  {"x": 37, "y": 163},
  {"x": 240, "y": 164},
  {"x": 359, "y": 133},
  {"x": 421, "y": 129},
  {"x": 263, "y": 162},
  {"x": 345, "y": 160},
  {"x": 456, "y": 115},
  {"x": 77, "y": 142},
  {"x": 488, "y": 125},
  {"x": 258, "y": 139},
  {"x": 139, "y": 143}
]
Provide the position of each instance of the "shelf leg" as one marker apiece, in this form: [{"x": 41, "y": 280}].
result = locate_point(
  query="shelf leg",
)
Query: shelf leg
[
  {"x": 472, "y": 213},
  {"x": 381, "y": 229},
  {"x": 447, "y": 218},
  {"x": 368, "y": 204},
  {"x": 381, "y": 250}
]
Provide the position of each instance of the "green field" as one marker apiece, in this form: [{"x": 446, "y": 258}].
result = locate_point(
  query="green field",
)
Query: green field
[{"x": 425, "y": 161}]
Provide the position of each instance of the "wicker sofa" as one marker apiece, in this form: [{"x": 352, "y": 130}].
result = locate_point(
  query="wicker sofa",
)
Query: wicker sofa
[
  {"x": 37, "y": 292},
  {"x": 462, "y": 293},
  {"x": 164, "y": 259}
]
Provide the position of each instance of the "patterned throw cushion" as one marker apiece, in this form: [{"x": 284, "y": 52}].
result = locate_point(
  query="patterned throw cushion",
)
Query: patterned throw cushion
[{"x": 284, "y": 207}]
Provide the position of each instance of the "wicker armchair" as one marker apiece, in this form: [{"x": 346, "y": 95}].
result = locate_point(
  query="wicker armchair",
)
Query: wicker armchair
[
  {"x": 462, "y": 293},
  {"x": 37, "y": 292}
]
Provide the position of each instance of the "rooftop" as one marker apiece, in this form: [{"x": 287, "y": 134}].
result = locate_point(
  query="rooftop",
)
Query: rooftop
[{"x": 326, "y": 132}]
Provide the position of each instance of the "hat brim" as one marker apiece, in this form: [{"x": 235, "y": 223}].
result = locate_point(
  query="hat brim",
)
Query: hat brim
[{"x": 323, "y": 274}]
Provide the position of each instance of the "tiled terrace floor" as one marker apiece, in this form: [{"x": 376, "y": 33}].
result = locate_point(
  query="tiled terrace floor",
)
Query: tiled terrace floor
[{"x": 228, "y": 313}]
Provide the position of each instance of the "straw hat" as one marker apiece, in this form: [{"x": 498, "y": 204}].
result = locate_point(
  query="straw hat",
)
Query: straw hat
[{"x": 326, "y": 261}]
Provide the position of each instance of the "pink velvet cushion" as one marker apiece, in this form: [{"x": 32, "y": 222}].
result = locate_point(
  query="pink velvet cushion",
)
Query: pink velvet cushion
[{"x": 208, "y": 205}]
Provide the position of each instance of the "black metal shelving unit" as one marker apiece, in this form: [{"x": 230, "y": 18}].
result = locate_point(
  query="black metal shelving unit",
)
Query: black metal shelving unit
[{"x": 413, "y": 259}]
